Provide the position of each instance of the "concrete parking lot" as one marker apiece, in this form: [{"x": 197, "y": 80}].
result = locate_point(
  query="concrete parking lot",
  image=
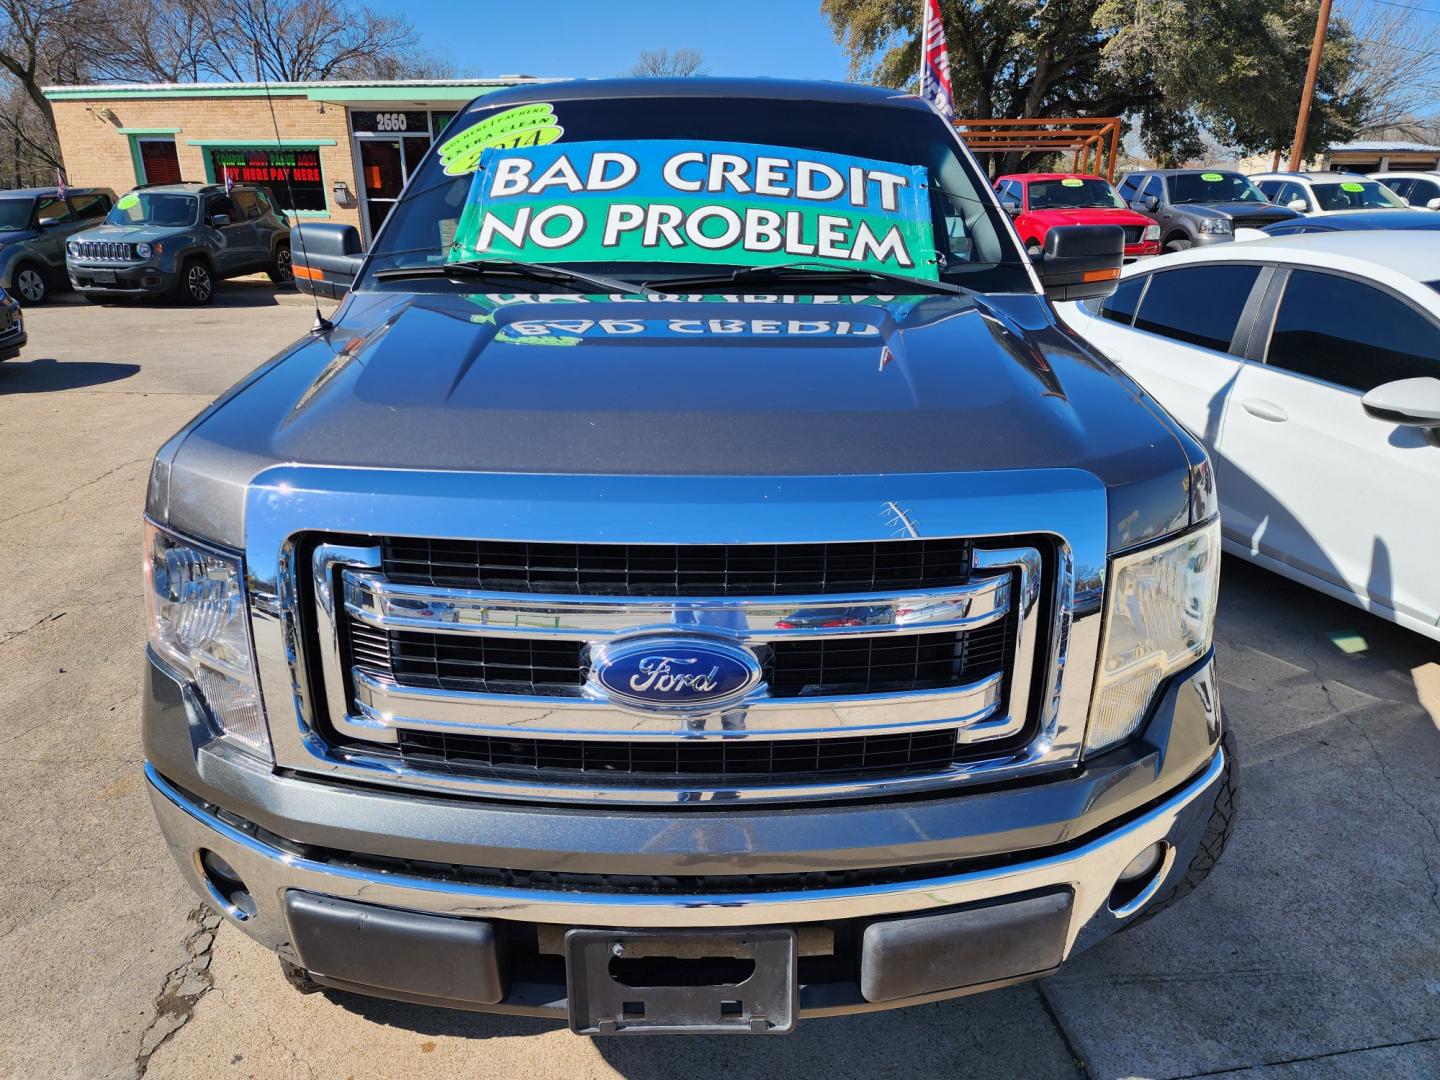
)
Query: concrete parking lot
[{"x": 1313, "y": 951}]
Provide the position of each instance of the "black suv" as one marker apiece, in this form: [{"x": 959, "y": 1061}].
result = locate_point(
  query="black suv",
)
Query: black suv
[{"x": 177, "y": 239}]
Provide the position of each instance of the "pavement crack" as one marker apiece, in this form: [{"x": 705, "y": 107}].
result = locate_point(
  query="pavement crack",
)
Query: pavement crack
[
  {"x": 1415, "y": 808},
  {"x": 76, "y": 488},
  {"x": 182, "y": 989},
  {"x": 1082, "y": 1070},
  {"x": 52, "y": 617},
  {"x": 1308, "y": 1058}
]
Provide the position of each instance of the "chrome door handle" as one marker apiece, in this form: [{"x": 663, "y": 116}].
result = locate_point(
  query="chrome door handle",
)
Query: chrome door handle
[{"x": 1265, "y": 410}]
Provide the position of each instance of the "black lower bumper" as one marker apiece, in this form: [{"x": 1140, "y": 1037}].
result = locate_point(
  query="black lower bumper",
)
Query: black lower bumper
[{"x": 121, "y": 281}]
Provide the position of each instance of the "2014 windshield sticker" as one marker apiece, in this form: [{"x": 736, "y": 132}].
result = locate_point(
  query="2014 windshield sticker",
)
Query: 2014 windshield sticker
[
  {"x": 736, "y": 204},
  {"x": 127, "y": 201},
  {"x": 524, "y": 125}
]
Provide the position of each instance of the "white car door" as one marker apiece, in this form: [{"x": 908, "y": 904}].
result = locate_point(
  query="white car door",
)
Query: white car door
[
  {"x": 1184, "y": 322},
  {"x": 1351, "y": 501}
]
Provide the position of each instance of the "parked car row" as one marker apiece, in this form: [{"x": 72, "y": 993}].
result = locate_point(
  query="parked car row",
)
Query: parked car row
[{"x": 173, "y": 240}]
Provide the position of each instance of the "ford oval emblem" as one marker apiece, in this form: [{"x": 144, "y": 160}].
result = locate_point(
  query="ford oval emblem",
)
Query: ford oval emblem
[{"x": 672, "y": 674}]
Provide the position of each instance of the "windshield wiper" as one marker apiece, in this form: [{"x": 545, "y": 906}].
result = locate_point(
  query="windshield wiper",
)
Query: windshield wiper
[
  {"x": 817, "y": 272},
  {"x": 480, "y": 268}
]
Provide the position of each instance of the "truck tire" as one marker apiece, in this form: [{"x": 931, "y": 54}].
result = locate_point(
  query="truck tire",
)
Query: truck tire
[
  {"x": 1212, "y": 844},
  {"x": 1179, "y": 243},
  {"x": 196, "y": 286},
  {"x": 281, "y": 269}
]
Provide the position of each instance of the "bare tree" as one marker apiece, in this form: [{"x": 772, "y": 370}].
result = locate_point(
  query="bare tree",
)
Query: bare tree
[
  {"x": 1397, "y": 75},
  {"x": 43, "y": 41},
  {"x": 662, "y": 63}
]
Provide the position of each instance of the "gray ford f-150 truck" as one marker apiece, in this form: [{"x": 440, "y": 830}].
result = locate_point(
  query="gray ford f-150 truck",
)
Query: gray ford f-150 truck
[{"x": 692, "y": 582}]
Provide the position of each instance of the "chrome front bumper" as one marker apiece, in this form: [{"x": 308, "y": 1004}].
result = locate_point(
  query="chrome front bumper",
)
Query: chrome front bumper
[{"x": 1090, "y": 870}]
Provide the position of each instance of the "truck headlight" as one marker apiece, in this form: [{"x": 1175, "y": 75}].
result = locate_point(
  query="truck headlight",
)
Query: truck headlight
[
  {"x": 1215, "y": 225},
  {"x": 1152, "y": 232},
  {"x": 1159, "y": 617},
  {"x": 195, "y": 597}
]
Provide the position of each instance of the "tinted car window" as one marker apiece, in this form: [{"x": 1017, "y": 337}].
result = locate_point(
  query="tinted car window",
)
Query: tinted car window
[
  {"x": 52, "y": 211},
  {"x": 1400, "y": 187},
  {"x": 153, "y": 208},
  {"x": 221, "y": 204},
  {"x": 1130, "y": 187},
  {"x": 1072, "y": 193},
  {"x": 1270, "y": 188},
  {"x": 1351, "y": 334},
  {"x": 1422, "y": 191},
  {"x": 1120, "y": 305},
  {"x": 86, "y": 207},
  {"x": 247, "y": 204},
  {"x": 1152, "y": 189},
  {"x": 15, "y": 213},
  {"x": 1200, "y": 305},
  {"x": 1354, "y": 195}
]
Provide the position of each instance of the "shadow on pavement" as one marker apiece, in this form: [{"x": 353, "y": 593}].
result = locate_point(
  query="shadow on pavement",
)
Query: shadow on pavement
[
  {"x": 236, "y": 293},
  {"x": 44, "y": 375}
]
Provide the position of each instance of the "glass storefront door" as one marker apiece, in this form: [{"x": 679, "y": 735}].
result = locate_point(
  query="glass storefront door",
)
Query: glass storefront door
[{"x": 382, "y": 176}]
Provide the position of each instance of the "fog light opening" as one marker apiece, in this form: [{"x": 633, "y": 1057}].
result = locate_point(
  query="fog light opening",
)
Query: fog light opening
[
  {"x": 227, "y": 890},
  {"x": 1141, "y": 878}
]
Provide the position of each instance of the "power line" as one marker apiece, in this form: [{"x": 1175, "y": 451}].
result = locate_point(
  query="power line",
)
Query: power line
[{"x": 1407, "y": 7}]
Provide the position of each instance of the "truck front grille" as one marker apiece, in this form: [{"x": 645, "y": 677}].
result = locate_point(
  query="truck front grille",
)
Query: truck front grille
[
  {"x": 677, "y": 569},
  {"x": 502, "y": 665},
  {"x": 472, "y": 659}
]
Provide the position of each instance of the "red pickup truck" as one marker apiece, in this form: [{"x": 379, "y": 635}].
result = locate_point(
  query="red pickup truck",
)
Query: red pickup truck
[{"x": 1040, "y": 201}]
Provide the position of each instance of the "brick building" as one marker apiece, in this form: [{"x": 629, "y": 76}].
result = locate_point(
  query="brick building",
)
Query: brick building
[{"x": 343, "y": 152}]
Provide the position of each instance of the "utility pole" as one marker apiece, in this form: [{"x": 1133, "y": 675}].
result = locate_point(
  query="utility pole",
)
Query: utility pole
[{"x": 1307, "y": 96}]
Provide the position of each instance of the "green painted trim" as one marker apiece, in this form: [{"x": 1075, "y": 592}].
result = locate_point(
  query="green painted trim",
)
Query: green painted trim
[
  {"x": 344, "y": 95},
  {"x": 148, "y": 131},
  {"x": 308, "y": 213},
  {"x": 258, "y": 144},
  {"x": 105, "y": 93}
]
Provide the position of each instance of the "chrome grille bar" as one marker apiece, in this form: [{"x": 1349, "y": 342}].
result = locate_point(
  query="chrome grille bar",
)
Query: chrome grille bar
[{"x": 388, "y": 606}]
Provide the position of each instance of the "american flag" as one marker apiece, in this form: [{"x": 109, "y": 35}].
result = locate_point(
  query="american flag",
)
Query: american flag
[
  {"x": 229, "y": 183},
  {"x": 935, "y": 62},
  {"x": 60, "y": 182}
]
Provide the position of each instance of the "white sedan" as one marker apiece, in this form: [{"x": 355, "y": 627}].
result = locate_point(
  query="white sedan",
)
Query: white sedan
[{"x": 1309, "y": 366}]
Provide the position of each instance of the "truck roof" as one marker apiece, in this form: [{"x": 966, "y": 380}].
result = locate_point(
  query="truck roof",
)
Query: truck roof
[{"x": 702, "y": 87}]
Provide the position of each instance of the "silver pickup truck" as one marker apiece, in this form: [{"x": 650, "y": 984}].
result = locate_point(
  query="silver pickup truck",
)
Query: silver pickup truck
[{"x": 694, "y": 641}]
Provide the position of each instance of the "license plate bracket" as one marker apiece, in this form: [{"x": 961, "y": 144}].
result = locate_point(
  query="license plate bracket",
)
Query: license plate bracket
[
  {"x": 103, "y": 277},
  {"x": 681, "y": 981}
]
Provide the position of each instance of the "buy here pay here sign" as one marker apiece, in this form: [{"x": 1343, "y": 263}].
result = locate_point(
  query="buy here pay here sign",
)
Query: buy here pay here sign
[{"x": 722, "y": 203}]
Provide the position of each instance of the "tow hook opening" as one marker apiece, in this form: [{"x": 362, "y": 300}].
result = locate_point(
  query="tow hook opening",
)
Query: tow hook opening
[
  {"x": 225, "y": 886},
  {"x": 1141, "y": 878}
]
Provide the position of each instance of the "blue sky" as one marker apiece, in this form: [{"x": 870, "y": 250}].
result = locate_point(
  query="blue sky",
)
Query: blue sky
[{"x": 592, "y": 38}]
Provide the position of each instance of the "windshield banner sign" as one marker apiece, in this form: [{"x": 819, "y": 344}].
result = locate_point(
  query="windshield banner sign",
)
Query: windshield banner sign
[{"x": 732, "y": 204}]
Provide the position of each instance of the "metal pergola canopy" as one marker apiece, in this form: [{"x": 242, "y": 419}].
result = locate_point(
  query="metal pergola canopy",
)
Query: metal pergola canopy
[{"x": 1093, "y": 142}]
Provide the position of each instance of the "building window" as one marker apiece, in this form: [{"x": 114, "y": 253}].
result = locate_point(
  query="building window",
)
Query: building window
[
  {"x": 292, "y": 176},
  {"x": 159, "y": 162}
]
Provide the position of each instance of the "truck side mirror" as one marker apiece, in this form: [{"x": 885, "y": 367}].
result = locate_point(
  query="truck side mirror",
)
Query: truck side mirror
[
  {"x": 325, "y": 257},
  {"x": 1081, "y": 262},
  {"x": 1010, "y": 206},
  {"x": 1151, "y": 203},
  {"x": 1409, "y": 403}
]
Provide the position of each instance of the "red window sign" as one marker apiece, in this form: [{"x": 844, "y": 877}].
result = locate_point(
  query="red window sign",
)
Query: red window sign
[{"x": 292, "y": 176}]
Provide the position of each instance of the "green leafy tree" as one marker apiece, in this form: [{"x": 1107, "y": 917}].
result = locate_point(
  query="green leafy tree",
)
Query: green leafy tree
[{"x": 1178, "y": 68}]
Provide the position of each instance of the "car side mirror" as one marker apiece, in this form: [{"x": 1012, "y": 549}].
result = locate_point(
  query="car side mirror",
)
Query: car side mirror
[
  {"x": 1081, "y": 262},
  {"x": 325, "y": 257},
  {"x": 1010, "y": 206},
  {"x": 1433, "y": 204},
  {"x": 1409, "y": 403},
  {"x": 1298, "y": 205},
  {"x": 219, "y": 220}
]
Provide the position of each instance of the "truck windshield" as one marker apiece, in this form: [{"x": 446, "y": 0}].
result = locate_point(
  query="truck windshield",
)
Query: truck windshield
[
  {"x": 153, "y": 208},
  {"x": 952, "y": 219},
  {"x": 1213, "y": 187},
  {"x": 1073, "y": 193}
]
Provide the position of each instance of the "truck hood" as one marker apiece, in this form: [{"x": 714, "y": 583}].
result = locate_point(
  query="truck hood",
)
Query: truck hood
[
  {"x": 1095, "y": 215},
  {"x": 719, "y": 385},
  {"x": 1240, "y": 212}
]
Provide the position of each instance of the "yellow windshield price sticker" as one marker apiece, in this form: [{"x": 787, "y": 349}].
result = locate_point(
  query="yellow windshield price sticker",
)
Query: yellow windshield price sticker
[
  {"x": 524, "y": 125},
  {"x": 1211, "y": 177},
  {"x": 1352, "y": 186},
  {"x": 1072, "y": 182},
  {"x": 127, "y": 201}
]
